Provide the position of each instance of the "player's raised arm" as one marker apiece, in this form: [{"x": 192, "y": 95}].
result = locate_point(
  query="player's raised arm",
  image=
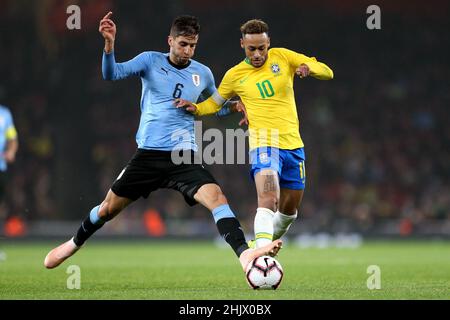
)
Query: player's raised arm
[
  {"x": 307, "y": 66},
  {"x": 110, "y": 69},
  {"x": 315, "y": 69},
  {"x": 108, "y": 30}
]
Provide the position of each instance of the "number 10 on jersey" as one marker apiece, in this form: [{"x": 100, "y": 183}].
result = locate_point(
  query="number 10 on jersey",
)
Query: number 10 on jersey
[{"x": 265, "y": 89}]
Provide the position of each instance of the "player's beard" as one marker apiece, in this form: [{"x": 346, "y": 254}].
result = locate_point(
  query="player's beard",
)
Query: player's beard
[
  {"x": 258, "y": 62},
  {"x": 182, "y": 60}
]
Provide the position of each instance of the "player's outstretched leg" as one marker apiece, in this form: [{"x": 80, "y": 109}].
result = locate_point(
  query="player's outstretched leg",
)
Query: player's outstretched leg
[
  {"x": 98, "y": 216},
  {"x": 270, "y": 249},
  {"x": 91, "y": 224}
]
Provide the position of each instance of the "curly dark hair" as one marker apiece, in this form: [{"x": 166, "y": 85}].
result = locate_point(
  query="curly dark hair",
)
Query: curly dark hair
[{"x": 254, "y": 26}]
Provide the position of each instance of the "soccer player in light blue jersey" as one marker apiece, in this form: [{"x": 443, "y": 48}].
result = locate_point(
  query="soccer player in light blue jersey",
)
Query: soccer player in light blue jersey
[
  {"x": 165, "y": 77},
  {"x": 8, "y": 145}
]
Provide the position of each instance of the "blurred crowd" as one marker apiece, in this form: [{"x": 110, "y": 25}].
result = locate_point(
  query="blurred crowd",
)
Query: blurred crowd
[{"x": 376, "y": 137}]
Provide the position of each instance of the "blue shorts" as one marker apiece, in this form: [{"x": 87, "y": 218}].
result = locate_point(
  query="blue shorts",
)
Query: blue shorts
[{"x": 290, "y": 165}]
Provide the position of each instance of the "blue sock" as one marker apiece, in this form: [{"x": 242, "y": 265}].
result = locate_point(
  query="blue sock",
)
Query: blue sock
[
  {"x": 230, "y": 228},
  {"x": 93, "y": 216},
  {"x": 223, "y": 211},
  {"x": 88, "y": 227}
]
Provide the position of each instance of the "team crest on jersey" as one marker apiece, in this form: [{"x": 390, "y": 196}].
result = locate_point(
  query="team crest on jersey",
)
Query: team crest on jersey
[
  {"x": 264, "y": 158},
  {"x": 275, "y": 68},
  {"x": 196, "y": 79}
]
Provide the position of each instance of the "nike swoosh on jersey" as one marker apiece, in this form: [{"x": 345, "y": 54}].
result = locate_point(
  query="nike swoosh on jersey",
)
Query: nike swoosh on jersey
[{"x": 243, "y": 80}]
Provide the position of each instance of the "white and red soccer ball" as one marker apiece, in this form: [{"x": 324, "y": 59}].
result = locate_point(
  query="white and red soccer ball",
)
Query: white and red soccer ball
[{"x": 264, "y": 273}]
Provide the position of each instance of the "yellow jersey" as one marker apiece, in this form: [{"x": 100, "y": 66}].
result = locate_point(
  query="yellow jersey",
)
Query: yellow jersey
[{"x": 268, "y": 95}]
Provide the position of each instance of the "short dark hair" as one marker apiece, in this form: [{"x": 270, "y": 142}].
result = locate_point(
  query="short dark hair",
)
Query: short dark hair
[
  {"x": 185, "y": 26},
  {"x": 254, "y": 26}
]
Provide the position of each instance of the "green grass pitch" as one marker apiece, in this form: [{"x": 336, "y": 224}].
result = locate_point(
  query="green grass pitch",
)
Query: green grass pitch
[{"x": 200, "y": 270}]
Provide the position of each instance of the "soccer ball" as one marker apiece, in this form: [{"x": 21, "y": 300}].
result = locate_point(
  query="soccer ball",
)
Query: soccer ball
[{"x": 264, "y": 273}]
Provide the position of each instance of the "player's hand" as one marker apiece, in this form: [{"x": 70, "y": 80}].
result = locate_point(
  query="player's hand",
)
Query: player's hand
[
  {"x": 302, "y": 71},
  {"x": 108, "y": 28},
  {"x": 181, "y": 103},
  {"x": 238, "y": 106}
]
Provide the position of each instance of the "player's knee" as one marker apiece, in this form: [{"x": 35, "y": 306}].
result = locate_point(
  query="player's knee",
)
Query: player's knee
[
  {"x": 220, "y": 198},
  {"x": 217, "y": 196},
  {"x": 268, "y": 200},
  {"x": 288, "y": 209},
  {"x": 213, "y": 195},
  {"x": 108, "y": 211}
]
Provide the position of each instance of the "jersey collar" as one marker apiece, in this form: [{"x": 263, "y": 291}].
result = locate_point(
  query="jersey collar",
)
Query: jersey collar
[{"x": 176, "y": 66}]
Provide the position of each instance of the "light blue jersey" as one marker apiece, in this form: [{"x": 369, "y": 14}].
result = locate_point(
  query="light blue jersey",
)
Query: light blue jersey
[
  {"x": 162, "y": 126},
  {"x": 7, "y": 132}
]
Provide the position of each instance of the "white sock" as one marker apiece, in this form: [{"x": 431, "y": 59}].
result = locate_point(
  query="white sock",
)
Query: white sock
[
  {"x": 281, "y": 224},
  {"x": 263, "y": 226}
]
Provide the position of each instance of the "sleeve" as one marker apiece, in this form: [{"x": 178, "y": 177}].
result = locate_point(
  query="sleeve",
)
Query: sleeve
[
  {"x": 212, "y": 90},
  {"x": 211, "y": 84},
  {"x": 116, "y": 71},
  {"x": 225, "y": 110},
  {"x": 210, "y": 87},
  {"x": 11, "y": 132},
  {"x": 318, "y": 69},
  {"x": 217, "y": 99}
]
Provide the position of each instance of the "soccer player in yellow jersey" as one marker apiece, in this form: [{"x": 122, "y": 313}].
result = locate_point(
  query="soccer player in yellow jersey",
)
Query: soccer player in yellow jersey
[{"x": 264, "y": 83}]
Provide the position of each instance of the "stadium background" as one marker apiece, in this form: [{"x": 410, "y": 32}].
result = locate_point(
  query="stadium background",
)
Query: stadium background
[{"x": 377, "y": 136}]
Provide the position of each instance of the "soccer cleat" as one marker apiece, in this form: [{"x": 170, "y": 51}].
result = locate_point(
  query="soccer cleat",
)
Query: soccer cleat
[
  {"x": 270, "y": 249},
  {"x": 251, "y": 244},
  {"x": 57, "y": 256}
]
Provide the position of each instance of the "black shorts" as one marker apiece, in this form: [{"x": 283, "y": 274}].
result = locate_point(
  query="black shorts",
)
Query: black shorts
[{"x": 150, "y": 170}]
